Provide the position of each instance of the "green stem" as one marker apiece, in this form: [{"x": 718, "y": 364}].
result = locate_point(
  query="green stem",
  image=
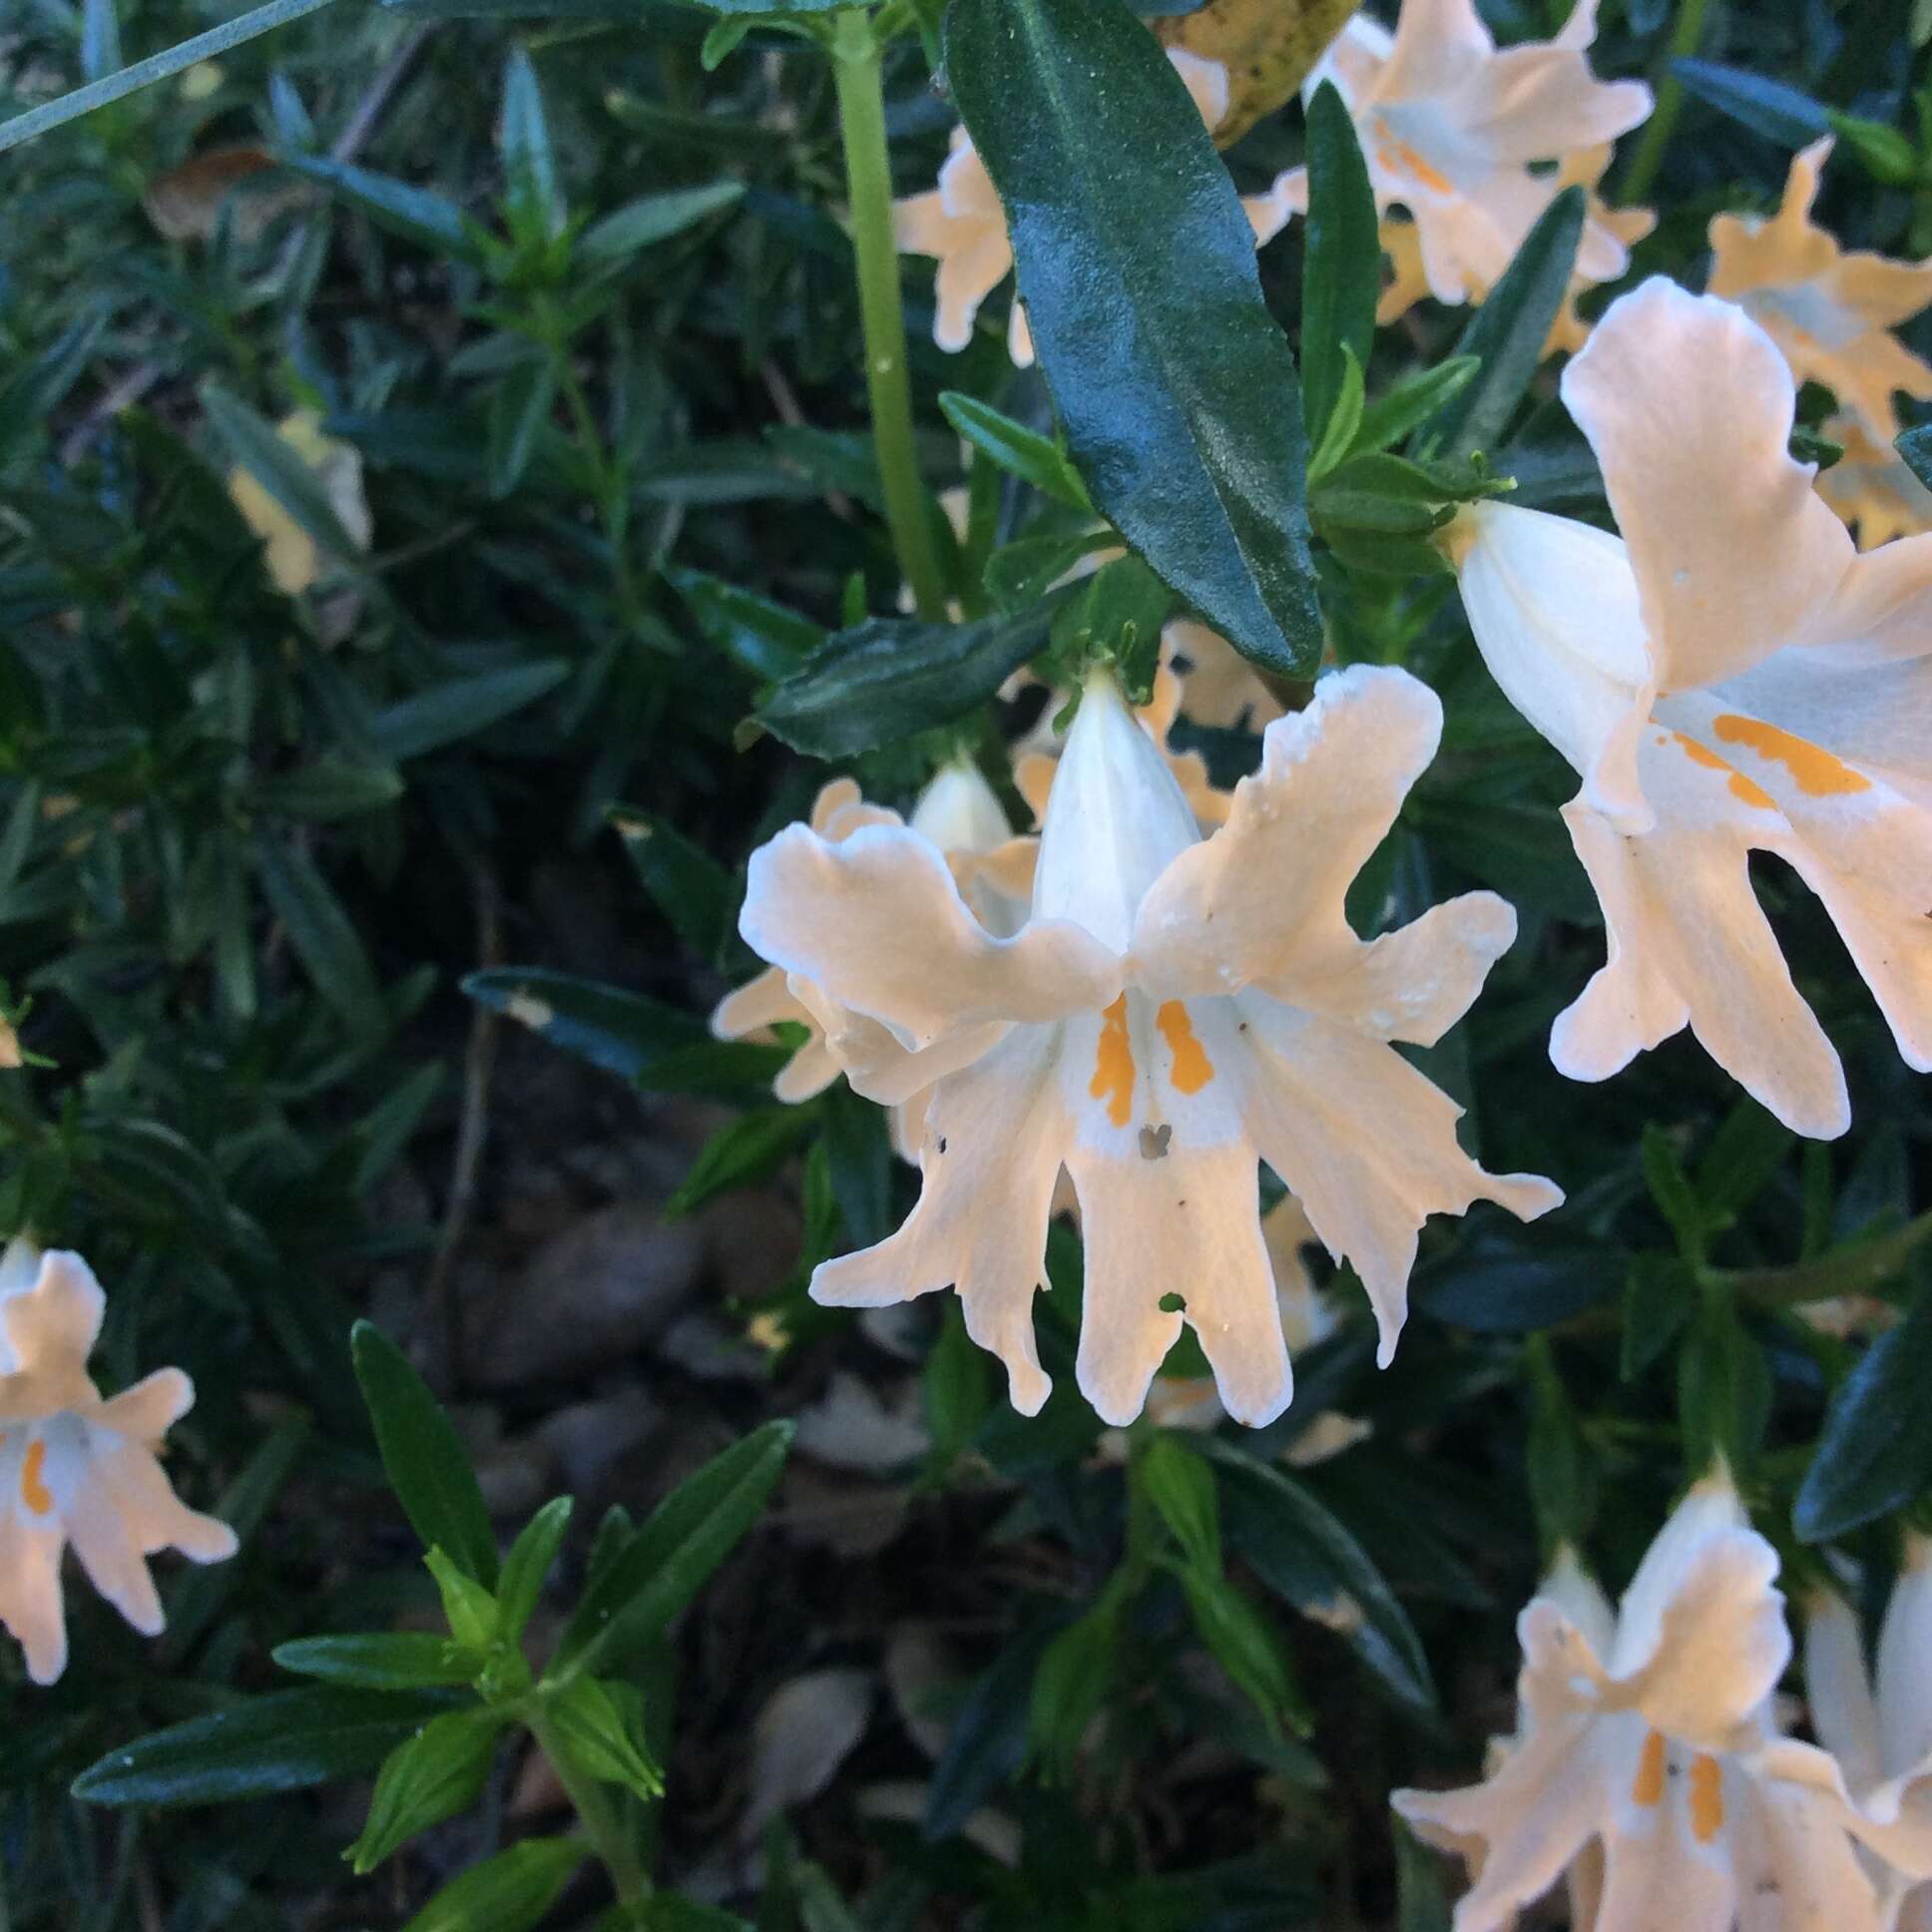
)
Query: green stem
[
  {"x": 603, "y": 1818},
  {"x": 868, "y": 187},
  {"x": 1669, "y": 103},
  {"x": 158, "y": 67}
]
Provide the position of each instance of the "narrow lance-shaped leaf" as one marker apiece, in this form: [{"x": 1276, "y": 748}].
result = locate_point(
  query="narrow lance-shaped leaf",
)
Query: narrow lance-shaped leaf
[
  {"x": 1344, "y": 258},
  {"x": 1507, "y": 334},
  {"x": 423, "y": 1455},
  {"x": 1136, "y": 263}
]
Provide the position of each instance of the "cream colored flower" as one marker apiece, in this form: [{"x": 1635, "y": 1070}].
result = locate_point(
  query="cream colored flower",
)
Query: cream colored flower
[
  {"x": 961, "y": 817},
  {"x": 1879, "y": 1727},
  {"x": 1036, "y": 756},
  {"x": 1449, "y": 125},
  {"x": 1174, "y": 1012},
  {"x": 962, "y": 226},
  {"x": 1219, "y": 688},
  {"x": 1646, "y": 1764},
  {"x": 75, "y": 1468},
  {"x": 296, "y": 563},
  {"x": 1871, "y": 486},
  {"x": 1729, "y": 677},
  {"x": 1832, "y": 313}
]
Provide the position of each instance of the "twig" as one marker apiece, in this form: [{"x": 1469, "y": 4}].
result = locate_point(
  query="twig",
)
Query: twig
[{"x": 479, "y": 1063}]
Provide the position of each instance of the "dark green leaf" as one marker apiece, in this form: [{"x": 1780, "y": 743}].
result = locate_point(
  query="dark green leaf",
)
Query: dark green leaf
[
  {"x": 1343, "y": 276},
  {"x": 1021, "y": 451},
  {"x": 1916, "y": 448},
  {"x": 1507, "y": 334},
  {"x": 528, "y": 1564},
  {"x": 1245, "y": 1645},
  {"x": 668, "y": 1560},
  {"x": 282, "y": 1743},
  {"x": 988, "y": 1739},
  {"x": 463, "y": 706},
  {"x": 1875, "y": 1454},
  {"x": 692, "y": 891},
  {"x": 1180, "y": 1485},
  {"x": 429, "y": 1777},
  {"x": 1300, "y": 1551},
  {"x": 380, "y": 1659},
  {"x": 331, "y": 787},
  {"x": 891, "y": 677},
  {"x": 413, "y": 213},
  {"x": 1070, "y": 1686},
  {"x": 1777, "y": 111},
  {"x": 1505, "y": 1286},
  {"x": 1414, "y": 400},
  {"x": 507, "y": 1893},
  {"x": 427, "y": 1465},
  {"x": 1175, "y": 384},
  {"x": 618, "y": 236},
  {"x": 740, "y": 1155},
  {"x": 627, "y": 1034},
  {"x": 535, "y": 205},
  {"x": 586, "y": 1724},
  {"x": 320, "y": 931},
  {"x": 757, "y": 635},
  {"x": 519, "y": 409},
  {"x": 1659, "y": 1299}
]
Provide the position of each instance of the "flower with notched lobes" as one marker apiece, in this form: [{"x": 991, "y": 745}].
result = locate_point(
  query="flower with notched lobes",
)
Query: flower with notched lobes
[
  {"x": 1831, "y": 314},
  {"x": 1646, "y": 1766},
  {"x": 77, "y": 1468},
  {"x": 962, "y": 224},
  {"x": 1871, "y": 486},
  {"x": 1174, "y": 1012},
  {"x": 1449, "y": 125},
  {"x": 1729, "y": 677}
]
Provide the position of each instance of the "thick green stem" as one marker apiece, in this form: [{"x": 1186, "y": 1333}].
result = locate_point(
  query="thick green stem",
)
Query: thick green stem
[
  {"x": 868, "y": 187},
  {"x": 603, "y": 1818},
  {"x": 1669, "y": 103}
]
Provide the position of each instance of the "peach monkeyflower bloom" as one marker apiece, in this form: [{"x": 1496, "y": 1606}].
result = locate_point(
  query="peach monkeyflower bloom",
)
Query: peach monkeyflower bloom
[
  {"x": 1174, "y": 1012},
  {"x": 1871, "y": 486},
  {"x": 1646, "y": 1764},
  {"x": 1449, "y": 125},
  {"x": 1036, "y": 756},
  {"x": 77, "y": 1468},
  {"x": 1831, "y": 312},
  {"x": 962, "y": 226},
  {"x": 962, "y": 816},
  {"x": 1730, "y": 675},
  {"x": 1878, "y": 1723},
  {"x": 1219, "y": 688}
]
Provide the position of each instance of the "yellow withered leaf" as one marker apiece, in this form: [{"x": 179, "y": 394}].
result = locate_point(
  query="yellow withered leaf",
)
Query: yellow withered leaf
[{"x": 1267, "y": 46}]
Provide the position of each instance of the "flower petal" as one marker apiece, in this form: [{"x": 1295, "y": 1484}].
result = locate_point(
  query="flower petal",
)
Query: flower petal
[
  {"x": 1701, "y": 1635},
  {"x": 1905, "y": 1666},
  {"x": 1688, "y": 406},
  {"x": 109, "y": 1553},
  {"x": 1185, "y": 1225},
  {"x": 53, "y": 1326},
  {"x": 993, "y": 1137},
  {"x": 877, "y": 923},
  {"x": 1331, "y": 781},
  {"x": 147, "y": 1411},
  {"x": 30, "y": 1594},
  {"x": 1554, "y": 608},
  {"x": 1370, "y": 1146},
  {"x": 1689, "y": 943},
  {"x": 1839, "y": 1692}
]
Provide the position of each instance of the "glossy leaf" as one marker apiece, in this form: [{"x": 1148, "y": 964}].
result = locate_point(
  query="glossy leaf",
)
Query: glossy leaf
[
  {"x": 1020, "y": 451},
  {"x": 1507, "y": 334},
  {"x": 427, "y": 1465},
  {"x": 891, "y": 677},
  {"x": 614, "y": 239},
  {"x": 666, "y": 1561},
  {"x": 380, "y": 1659},
  {"x": 1774, "y": 108},
  {"x": 627, "y": 1034},
  {"x": 459, "y": 708},
  {"x": 282, "y": 1743},
  {"x": 528, "y": 1564},
  {"x": 1875, "y": 1454},
  {"x": 508, "y": 1893},
  {"x": 1303, "y": 1553},
  {"x": 430, "y": 1776},
  {"x": 1174, "y": 382},
  {"x": 1343, "y": 274}
]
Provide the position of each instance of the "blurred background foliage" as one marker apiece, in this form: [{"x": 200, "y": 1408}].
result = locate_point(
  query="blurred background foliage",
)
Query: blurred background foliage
[{"x": 423, "y": 438}]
